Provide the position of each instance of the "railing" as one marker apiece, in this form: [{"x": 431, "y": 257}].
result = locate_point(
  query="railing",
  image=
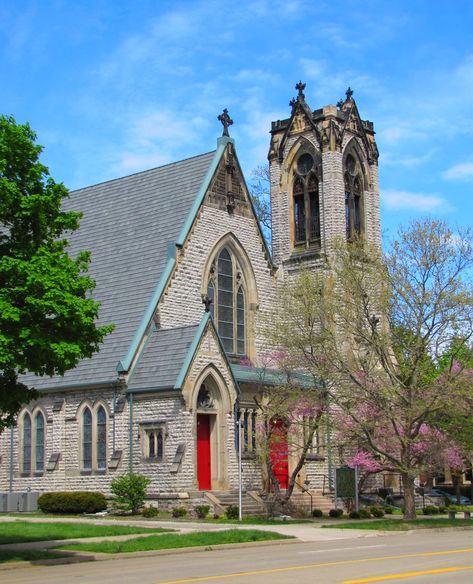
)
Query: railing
[
  {"x": 309, "y": 493},
  {"x": 327, "y": 490}
]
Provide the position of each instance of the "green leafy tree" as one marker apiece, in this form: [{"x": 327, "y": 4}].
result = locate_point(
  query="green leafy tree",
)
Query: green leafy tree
[
  {"x": 129, "y": 492},
  {"x": 47, "y": 317}
]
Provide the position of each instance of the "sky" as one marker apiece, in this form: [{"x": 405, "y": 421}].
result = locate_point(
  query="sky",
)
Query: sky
[{"x": 115, "y": 87}]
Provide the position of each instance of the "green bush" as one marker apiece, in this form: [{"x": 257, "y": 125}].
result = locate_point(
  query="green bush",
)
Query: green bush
[
  {"x": 179, "y": 512},
  {"x": 202, "y": 511},
  {"x": 388, "y": 510},
  {"x": 335, "y": 513},
  {"x": 442, "y": 509},
  {"x": 354, "y": 515},
  {"x": 364, "y": 514},
  {"x": 232, "y": 512},
  {"x": 377, "y": 512},
  {"x": 150, "y": 512},
  {"x": 317, "y": 513},
  {"x": 430, "y": 510},
  {"x": 72, "y": 502},
  {"x": 129, "y": 492}
]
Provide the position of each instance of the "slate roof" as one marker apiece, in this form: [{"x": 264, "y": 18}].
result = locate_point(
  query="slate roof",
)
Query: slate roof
[
  {"x": 162, "y": 359},
  {"x": 127, "y": 224}
]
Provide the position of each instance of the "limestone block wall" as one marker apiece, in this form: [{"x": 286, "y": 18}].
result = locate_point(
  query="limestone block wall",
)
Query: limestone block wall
[{"x": 182, "y": 302}]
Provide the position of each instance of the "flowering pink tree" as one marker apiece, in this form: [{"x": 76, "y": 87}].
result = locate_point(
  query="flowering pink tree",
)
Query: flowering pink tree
[{"x": 373, "y": 328}]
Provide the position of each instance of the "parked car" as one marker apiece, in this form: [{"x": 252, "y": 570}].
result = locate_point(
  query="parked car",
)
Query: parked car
[{"x": 452, "y": 498}]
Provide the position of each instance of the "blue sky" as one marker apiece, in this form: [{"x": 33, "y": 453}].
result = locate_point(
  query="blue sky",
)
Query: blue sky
[{"x": 116, "y": 87}]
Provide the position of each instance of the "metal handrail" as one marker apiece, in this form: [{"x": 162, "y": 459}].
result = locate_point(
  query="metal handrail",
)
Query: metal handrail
[{"x": 309, "y": 493}]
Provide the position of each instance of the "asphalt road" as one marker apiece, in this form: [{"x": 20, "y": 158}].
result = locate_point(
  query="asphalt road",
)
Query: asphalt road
[{"x": 422, "y": 557}]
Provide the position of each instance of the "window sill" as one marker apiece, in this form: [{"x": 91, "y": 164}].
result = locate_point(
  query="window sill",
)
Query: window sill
[
  {"x": 151, "y": 460},
  {"x": 88, "y": 473}
]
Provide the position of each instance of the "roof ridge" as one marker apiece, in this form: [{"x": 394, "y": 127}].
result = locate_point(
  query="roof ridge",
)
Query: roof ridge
[{"x": 111, "y": 180}]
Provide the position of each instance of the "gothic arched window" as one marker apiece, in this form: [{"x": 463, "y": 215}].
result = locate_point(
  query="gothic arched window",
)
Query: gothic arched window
[
  {"x": 353, "y": 198},
  {"x": 27, "y": 443},
  {"x": 101, "y": 439},
  {"x": 226, "y": 290},
  {"x": 87, "y": 439},
  {"x": 39, "y": 442},
  {"x": 306, "y": 205}
]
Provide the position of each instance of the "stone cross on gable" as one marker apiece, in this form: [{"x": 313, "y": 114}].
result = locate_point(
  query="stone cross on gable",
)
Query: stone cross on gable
[
  {"x": 226, "y": 121},
  {"x": 349, "y": 93}
]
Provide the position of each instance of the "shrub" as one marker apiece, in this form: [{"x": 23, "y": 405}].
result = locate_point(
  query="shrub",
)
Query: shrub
[
  {"x": 317, "y": 513},
  {"x": 354, "y": 515},
  {"x": 179, "y": 512},
  {"x": 377, "y": 512},
  {"x": 442, "y": 509},
  {"x": 202, "y": 511},
  {"x": 129, "y": 492},
  {"x": 72, "y": 502},
  {"x": 150, "y": 512},
  {"x": 430, "y": 510},
  {"x": 216, "y": 516},
  {"x": 388, "y": 510},
  {"x": 335, "y": 513},
  {"x": 232, "y": 512},
  {"x": 364, "y": 514}
]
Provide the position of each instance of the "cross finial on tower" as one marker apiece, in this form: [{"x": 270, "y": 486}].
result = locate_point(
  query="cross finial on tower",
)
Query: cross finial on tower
[
  {"x": 349, "y": 93},
  {"x": 300, "y": 91},
  {"x": 226, "y": 121}
]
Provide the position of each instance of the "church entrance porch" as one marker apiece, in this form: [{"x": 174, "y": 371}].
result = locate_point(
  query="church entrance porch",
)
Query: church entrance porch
[{"x": 204, "y": 452}]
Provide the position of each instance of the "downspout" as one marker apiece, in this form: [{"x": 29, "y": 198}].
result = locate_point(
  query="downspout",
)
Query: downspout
[
  {"x": 11, "y": 460},
  {"x": 114, "y": 404},
  {"x": 130, "y": 437}
]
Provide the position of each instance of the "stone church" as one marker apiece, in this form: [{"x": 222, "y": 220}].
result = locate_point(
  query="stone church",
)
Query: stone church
[{"x": 184, "y": 273}]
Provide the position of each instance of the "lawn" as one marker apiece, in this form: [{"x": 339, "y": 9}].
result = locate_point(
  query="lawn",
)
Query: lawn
[
  {"x": 402, "y": 525},
  {"x": 171, "y": 541},
  {"x": 25, "y": 531},
  {"x": 27, "y": 555}
]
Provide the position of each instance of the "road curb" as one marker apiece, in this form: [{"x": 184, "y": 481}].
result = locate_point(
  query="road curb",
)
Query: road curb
[{"x": 77, "y": 557}]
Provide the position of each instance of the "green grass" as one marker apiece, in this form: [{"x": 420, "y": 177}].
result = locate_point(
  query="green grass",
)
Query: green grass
[
  {"x": 403, "y": 525},
  {"x": 172, "y": 541},
  {"x": 25, "y": 531},
  {"x": 255, "y": 521},
  {"x": 27, "y": 556}
]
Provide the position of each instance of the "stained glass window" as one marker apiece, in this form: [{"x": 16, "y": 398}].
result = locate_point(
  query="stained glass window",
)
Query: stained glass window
[
  {"x": 87, "y": 439},
  {"x": 39, "y": 446},
  {"x": 27, "y": 443},
  {"x": 101, "y": 438},
  {"x": 306, "y": 205}
]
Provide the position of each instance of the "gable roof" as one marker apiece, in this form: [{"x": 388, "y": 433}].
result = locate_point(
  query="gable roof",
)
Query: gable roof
[
  {"x": 162, "y": 359},
  {"x": 168, "y": 355},
  {"x": 127, "y": 225}
]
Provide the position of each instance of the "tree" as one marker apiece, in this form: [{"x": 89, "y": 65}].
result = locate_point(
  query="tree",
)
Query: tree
[
  {"x": 129, "y": 492},
  {"x": 259, "y": 193},
  {"x": 290, "y": 414},
  {"x": 374, "y": 328},
  {"x": 47, "y": 318}
]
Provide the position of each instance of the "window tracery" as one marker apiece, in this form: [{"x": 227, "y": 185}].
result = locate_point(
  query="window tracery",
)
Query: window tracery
[
  {"x": 32, "y": 443},
  {"x": 353, "y": 198},
  {"x": 306, "y": 204},
  {"x": 226, "y": 289},
  {"x": 93, "y": 427}
]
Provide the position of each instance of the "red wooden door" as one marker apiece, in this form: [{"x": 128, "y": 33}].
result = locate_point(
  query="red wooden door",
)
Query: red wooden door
[
  {"x": 279, "y": 452},
  {"x": 204, "y": 477}
]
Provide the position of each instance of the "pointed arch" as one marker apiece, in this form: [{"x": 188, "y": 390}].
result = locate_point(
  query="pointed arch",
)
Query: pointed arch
[
  {"x": 229, "y": 280},
  {"x": 27, "y": 436},
  {"x": 356, "y": 182}
]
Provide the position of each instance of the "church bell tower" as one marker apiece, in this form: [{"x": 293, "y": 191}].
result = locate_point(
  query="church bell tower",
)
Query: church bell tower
[{"x": 324, "y": 180}]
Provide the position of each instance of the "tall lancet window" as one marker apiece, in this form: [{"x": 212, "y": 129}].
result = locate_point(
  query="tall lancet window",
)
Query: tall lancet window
[
  {"x": 227, "y": 291},
  {"x": 306, "y": 204},
  {"x": 353, "y": 198}
]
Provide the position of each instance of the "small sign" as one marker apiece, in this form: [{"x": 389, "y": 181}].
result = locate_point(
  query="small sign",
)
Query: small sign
[{"x": 345, "y": 478}]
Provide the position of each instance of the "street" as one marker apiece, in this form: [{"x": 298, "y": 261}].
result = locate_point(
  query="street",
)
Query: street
[{"x": 424, "y": 556}]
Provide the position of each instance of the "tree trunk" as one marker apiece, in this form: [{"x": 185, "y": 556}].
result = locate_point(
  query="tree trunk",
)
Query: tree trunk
[{"x": 409, "y": 496}]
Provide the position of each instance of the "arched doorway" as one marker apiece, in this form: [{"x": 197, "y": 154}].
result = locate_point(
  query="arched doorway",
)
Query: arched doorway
[
  {"x": 211, "y": 453},
  {"x": 279, "y": 452}
]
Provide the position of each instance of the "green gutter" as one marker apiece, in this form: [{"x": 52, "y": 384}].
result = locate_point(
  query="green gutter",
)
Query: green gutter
[
  {"x": 192, "y": 351},
  {"x": 221, "y": 145},
  {"x": 125, "y": 363}
]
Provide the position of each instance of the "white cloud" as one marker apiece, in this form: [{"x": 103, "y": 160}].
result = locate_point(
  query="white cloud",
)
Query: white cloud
[
  {"x": 391, "y": 159},
  {"x": 462, "y": 171},
  {"x": 396, "y": 199}
]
